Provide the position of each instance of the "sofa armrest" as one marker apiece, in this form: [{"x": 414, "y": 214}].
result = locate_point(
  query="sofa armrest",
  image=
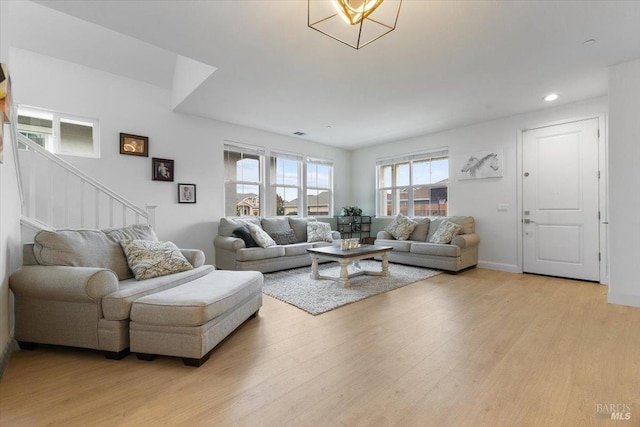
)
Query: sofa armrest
[
  {"x": 194, "y": 256},
  {"x": 335, "y": 235},
  {"x": 62, "y": 283},
  {"x": 232, "y": 244},
  {"x": 384, "y": 235},
  {"x": 464, "y": 240}
]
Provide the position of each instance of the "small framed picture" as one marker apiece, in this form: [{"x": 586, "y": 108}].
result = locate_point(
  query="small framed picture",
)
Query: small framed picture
[
  {"x": 162, "y": 169},
  {"x": 134, "y": 145},
  {"x": 186, "y": 193}
]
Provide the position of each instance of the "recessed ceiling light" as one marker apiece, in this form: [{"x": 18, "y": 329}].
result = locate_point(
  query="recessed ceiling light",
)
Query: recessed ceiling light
[
  {"x": 589, "y": 42},
  {"x": 551, "y": 97}
]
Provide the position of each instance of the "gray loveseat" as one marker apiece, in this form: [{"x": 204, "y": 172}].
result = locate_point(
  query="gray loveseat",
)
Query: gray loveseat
[
  {"x": 461, "y": 253},
  {"x": 233, "y": 254},
  {"x": 75, "y": 288}
]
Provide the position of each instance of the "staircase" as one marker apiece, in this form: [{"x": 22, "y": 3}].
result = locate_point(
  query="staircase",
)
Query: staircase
[{"x": 56, "y": 194}]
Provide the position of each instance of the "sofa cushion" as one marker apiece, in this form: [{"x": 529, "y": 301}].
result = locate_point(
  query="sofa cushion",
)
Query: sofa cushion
[
  {"x": 260, "y": 236},
  {"x": 319, "y": 232},
  {"x": 89, "y": 248},
  {"x": 228, "y": 224},
  {"x": 397, "y": 245},
  {"x": 256, "y": 254},
  {"x": 298, "y": 249},
  {"x": 117, "y": 305},
  {"x": 419, "y": 234},
  {"x": 445, "y": 232},
  {"x": 467, "y": 224},
  {"x": 243, "y": 233},
  {"x": 274, "y": 225},
  {"x": 299, "y": 226},
  {"x": 435, "y": 249},
  {"x": 401, "y": 227},
  {"x": 284, "y": 237},
  {"x": 148, "y": 259}
]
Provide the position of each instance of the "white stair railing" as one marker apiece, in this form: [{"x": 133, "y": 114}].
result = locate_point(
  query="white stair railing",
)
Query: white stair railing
[{"x": 60, "y": 195}]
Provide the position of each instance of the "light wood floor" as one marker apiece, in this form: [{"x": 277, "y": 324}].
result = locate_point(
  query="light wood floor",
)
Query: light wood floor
[{"x": 482, "y": 348}]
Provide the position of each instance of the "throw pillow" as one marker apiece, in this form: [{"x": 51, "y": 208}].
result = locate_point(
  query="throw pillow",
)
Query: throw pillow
[
  {"x": 260, "y": 236},
  {"x": 401, "y": 227},
  {"x": 284, "y": 237},
  {"x": 149, "y": 258},
  {"x": 319, "y": 232},
  {"x": 243, "y": 233},
  {"x": 445, "y": 232}
]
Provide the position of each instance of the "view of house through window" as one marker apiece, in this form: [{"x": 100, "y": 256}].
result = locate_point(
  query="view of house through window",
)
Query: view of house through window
[
  {"x": 59, "y": 133},
  {"x": 415, "y": 185},
  {"x": 294, "y": 185}
]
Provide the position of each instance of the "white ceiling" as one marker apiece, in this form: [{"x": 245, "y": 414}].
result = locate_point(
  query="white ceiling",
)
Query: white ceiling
[{"x": 447, "y": 64}]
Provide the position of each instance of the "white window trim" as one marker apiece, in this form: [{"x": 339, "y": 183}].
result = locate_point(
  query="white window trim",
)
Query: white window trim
[
  {"x": 56, "y": 146},
  {"x": 247, "y": 149},
  {"x": 274, "y": 185},
  {"x": 318, "y": 161},
  {"x": 407, "y": 158}
]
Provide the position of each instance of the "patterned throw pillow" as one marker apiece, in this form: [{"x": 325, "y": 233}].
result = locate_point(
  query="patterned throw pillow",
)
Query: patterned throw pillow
[
  {"x": 148, "y": 258},
  {"x": 260, "y": 236},
  {"x": 284, "y": 237},
  {"x": 243, "y": 233},
  {"x": 445, "y": 232},
  {"x": 401, "y": 227},
  {"x": 319, "y": 232}
]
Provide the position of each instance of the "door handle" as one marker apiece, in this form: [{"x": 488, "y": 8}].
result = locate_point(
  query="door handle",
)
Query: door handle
[{"x": 528, "y": 221}]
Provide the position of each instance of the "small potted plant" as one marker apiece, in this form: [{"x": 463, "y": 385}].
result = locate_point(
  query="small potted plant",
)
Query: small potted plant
[{"x": 350, "y": 211}]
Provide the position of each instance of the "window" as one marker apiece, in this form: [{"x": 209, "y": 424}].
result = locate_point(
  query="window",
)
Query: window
[
  {"x": 319, "y": 185},
  {"x": 59, "y": 133},
  {"x": 243, "y": 180},
  {"x": 285, "y": 184},
  {"x": 294, "y": 185},
  {"x": 414, "y": 185}
]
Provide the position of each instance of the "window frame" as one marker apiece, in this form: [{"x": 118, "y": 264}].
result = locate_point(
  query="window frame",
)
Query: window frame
[
  {"x": 54, "y": 144},
  {"x": 306, "y": 187},
  {"x": 250, "y": 150},
  {"x": 274, "y": 185},
  {"x": 410, "y": 187}
]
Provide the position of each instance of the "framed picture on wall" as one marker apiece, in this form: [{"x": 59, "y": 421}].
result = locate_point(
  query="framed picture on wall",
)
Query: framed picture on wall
[
  {"x": 134, "y": 145},
  {"x": 186, "y": 193},
  {"x": 162, "y": 169},
  {"x": 481, "y": 164}
]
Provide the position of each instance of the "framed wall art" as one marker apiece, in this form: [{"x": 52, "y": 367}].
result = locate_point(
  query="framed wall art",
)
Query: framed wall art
[
  {"x": 134, "y": 145},
  {"x": 162, "y": 169},
  {"x": 481, "y": 164},
  {"x": 186, "y": 193}
]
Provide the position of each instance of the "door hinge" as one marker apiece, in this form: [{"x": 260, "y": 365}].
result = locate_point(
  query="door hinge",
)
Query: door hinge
[
  {"x": 599, "y": 256},
  {"x": 598, "y": 215},
  {"x": 598, "y": 133},
  {"x": 598, "y": 174}
]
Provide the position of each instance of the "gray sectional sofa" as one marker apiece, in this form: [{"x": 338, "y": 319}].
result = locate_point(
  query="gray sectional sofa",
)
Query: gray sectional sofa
[
  {"x": 460, "y": 253},
  {"x": 233, "y": 254}
]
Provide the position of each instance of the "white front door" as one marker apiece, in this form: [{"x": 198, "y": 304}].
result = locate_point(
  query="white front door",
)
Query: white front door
[{"x": 560, "y": 200}]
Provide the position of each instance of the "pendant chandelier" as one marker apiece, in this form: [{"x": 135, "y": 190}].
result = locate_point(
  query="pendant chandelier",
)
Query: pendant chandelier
[{"x": 355, "y": 23}]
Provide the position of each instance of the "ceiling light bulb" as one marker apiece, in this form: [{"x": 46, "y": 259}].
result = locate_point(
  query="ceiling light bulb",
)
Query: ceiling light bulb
[
  {"x": 354, "y": 11},
  {"x": 551, "y": 97}
]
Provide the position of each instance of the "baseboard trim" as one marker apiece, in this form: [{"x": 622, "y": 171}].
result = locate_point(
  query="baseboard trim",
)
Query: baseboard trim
[
  {"x": 12, "y": 345},
  {"x": 624, "y": 299},
  {"x": 509, "y": 268}
]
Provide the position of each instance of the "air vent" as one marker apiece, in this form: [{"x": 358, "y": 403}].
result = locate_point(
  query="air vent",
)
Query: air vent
[{"x": 299, "y": 133}]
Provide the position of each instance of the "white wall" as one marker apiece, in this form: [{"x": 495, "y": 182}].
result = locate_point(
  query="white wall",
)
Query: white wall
[
  {"x": 10, "y": 248},
  {"x": 624, "y": 176},
  {"x": 479, "y": 198},
  {"x": 196, "y": 144}
]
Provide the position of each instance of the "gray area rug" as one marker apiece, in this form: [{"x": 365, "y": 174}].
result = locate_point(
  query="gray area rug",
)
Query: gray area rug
[{"x": 296, "y": 287}]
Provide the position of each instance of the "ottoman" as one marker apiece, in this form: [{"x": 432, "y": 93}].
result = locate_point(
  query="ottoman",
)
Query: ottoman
[{"x": 188, "y": 321}]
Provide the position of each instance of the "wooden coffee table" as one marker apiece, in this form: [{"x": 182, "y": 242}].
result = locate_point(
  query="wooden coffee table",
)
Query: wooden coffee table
[{"x": 344, "y": 257}]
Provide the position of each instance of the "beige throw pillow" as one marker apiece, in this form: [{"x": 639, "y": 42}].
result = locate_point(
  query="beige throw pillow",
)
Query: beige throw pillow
[
  {"x": 445, "y": 232},
  {"x": 148, "y": 259},
  {"x": 401, "y": 227},
  {"x": 260, "y": 236},
  {"x": 319, "y": 232}
]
